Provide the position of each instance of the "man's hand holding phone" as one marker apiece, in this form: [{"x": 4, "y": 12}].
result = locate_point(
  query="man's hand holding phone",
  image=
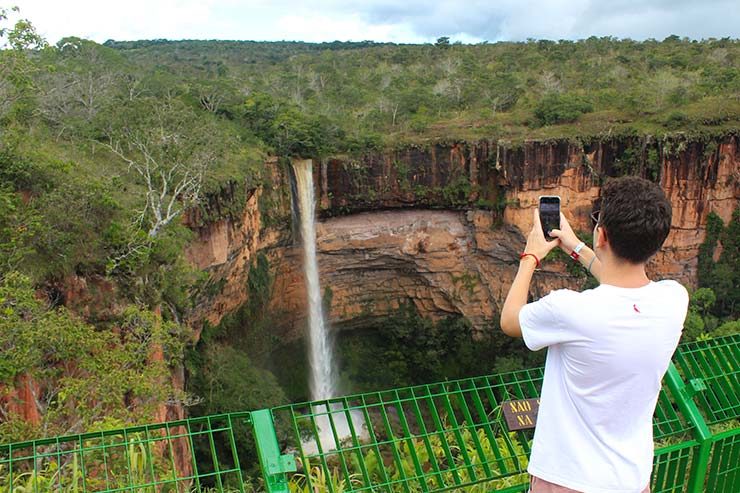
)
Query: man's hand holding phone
[{"x": 537, "y": 244}]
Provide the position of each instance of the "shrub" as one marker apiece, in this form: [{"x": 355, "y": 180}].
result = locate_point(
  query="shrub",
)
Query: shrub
[
  {"x": 676, "y": 120},
  {"x": 561, "y": 108}
]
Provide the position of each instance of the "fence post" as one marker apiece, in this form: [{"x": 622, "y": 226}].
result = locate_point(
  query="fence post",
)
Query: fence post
[
  {"x": 684, "y": 395},
  {"x": 274, "y": 466}
]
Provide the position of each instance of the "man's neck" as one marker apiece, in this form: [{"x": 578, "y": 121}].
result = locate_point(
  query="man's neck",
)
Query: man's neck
[{"x": 621, "y": 274}]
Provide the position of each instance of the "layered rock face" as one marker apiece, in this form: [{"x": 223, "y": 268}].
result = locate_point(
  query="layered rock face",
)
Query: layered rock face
[
  {"x": 698, "y": 177},
  {"x": 444, "y": 262},
  {"x": 441, "y": 226}
]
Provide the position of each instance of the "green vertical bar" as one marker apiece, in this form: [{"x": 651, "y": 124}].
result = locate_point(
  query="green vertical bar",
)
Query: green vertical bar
[
  {"x": 732, "y": 477},
  {"x": 705, "y": 371},
  {"x": 105, "y": 460},
  {"x": 268, "y": 451},
  {"x": 193, "y": 458},
  {"x": 443, "y": 439},
  {"x": 35, "y": 470},
  {"x": 82, "y": 465},
  {"x": 214, "y": 455},
  {"x": 127, "y": 458},
  {"x": 473, "y": 431},
  {"x": 658, "y": 474},
  {"x": 458, "y": 436},
  {"x": 168, "y": 437},
  {"x": 374, "y": 441},
  {"x": 715, "y": 467},
  {"x": 59, "y": 463},
  {"x": 337, "y": 444},
  {"x": 312, "y": 414},
  {"x": 299, "y": 442},
  {"x": 393, "y": 444},
  {"x": 486, "y": 423},
  {"x": 425, "y": 436},
  {"x": 10, "y": 465},
  {"x": 235, "y": 454},
  {"x": 672, "y": 469},
  {"x": 356, "y": 445},
  {"x": 410, "y": 444},
  {"x": 149, "y": 456},
  {"x": 704, "y": 436},
  {"x": 530, "y": 384}
]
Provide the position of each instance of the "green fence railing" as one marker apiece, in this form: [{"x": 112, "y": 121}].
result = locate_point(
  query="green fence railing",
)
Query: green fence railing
[
  {"x": 443, "y": 436},
  {"x": 196, "y": 454}
]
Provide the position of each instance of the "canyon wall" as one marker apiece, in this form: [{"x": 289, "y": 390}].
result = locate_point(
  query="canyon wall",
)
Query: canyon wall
[{"x": 440, "y": 226}]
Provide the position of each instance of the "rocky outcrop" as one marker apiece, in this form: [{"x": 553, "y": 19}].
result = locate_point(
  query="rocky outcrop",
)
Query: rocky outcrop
[
  {"x": 226, "y": 246},
  {"x": 20, "y": 399}
]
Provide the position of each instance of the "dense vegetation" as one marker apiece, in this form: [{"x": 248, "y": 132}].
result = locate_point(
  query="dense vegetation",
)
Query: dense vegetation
[
  {"x": 103, "y": 149},
  {"x": 359, "y": 94},
  {"x": 713, "y": 310}
]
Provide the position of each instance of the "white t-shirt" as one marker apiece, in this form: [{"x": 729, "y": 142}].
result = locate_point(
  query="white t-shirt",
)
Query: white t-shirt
[{"x": 608, "y": 349}]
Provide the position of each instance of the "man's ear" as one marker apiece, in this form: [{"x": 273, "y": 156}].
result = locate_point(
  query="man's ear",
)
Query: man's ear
[{"x": 600, "y": 237}]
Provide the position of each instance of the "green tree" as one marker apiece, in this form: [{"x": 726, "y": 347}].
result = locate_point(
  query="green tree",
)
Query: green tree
[
  {"x": 84, "y": 378},
  {"x": 83, "y": 87},
  {"x": 561, "y": 108},
  {"x": 693, "y": 326},
  {"x": 259, "y": 112},
  {"x": 18, "y": 226},
  {"x": 726, "y": 272},
  {"x": 702, "y": 300},
  {"x": 722, "y": 276},
  {"x": 17, "y": 69},
  {"x": 171, "y": 149},
  {"x": 713, "y": 230},
  {"x": 224, "y": 379},
  {"x": 727, "y": 329},
  {"x": 443, "y": 42}
]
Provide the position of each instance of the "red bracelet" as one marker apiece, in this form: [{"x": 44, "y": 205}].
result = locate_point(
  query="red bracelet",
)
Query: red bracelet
[
  {"x": 576, "y": 253},
  {"x": 521, "y": 256}
]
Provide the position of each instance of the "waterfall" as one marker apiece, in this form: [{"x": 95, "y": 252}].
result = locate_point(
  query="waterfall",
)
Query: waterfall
[
  {"x": 321, "y": 357},
  {"x": 332, "y": 423}
]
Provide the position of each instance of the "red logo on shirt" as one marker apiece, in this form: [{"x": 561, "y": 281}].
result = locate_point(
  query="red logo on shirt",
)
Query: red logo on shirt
[{"x": 635, "y": 308}]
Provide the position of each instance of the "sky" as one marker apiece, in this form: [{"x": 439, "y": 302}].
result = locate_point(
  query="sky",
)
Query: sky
[{"x": 400, "y": 21}]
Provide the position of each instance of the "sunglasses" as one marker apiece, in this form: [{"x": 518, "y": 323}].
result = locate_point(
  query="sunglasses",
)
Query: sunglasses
[{"x": 595, "y": 216}]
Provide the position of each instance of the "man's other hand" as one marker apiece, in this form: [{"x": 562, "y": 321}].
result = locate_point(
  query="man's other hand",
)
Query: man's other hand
[{"x": 568, "y": 239}]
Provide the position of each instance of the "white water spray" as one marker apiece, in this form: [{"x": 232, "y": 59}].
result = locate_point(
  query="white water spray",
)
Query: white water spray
[{"x": 321, "y": 352}]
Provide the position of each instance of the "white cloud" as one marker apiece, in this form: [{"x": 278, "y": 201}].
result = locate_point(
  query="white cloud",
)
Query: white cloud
[
  {"x": 133, "y": 19},
  {"x": 380, "y": 20},
  {"x": 319, "y": 27}
]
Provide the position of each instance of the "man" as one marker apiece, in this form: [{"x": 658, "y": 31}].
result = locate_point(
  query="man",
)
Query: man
[{"x": 608, "y": 347}]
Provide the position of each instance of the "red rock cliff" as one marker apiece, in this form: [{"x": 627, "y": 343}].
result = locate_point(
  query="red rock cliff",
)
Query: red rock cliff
[{"x": 455, "y": 252}]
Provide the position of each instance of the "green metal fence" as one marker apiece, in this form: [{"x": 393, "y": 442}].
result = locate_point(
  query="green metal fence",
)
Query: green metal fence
[
  {"x": 436, "y": 437},
  {"x": 197, "y": 454}
]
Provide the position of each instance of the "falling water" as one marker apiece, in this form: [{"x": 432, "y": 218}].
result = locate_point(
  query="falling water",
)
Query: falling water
[
  {"x": 321, "y": 357},
  {"x": 331, "y": 422}
]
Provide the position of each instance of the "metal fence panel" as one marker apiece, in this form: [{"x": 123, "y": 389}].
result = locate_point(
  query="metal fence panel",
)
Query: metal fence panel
[
  {"x": 436, "y": 437},
  {"x": 178, "y": 456}
]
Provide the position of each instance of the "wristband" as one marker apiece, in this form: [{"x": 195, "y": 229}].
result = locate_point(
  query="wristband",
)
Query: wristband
[
  {"x": 576, "y": 251},
  {"x": 521, "y": 256}
]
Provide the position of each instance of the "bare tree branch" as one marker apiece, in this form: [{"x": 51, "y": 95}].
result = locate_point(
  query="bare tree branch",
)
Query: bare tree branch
[{"x": 170, "y": 159}]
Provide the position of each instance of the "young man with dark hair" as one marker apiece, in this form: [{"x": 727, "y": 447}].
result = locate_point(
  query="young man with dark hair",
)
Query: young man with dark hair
[{"x": 608, "y": 347}]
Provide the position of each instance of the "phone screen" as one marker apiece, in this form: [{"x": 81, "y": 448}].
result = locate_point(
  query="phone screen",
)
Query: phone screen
[{"x": 549, "y": 214}]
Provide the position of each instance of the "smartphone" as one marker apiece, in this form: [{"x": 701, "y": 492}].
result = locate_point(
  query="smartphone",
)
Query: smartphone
[{"x": 549, "y": 213}]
